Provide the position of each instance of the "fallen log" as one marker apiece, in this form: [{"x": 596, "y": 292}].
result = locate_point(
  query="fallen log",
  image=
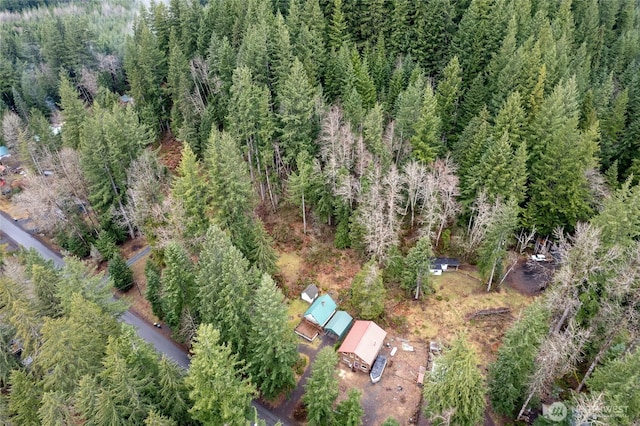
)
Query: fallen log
[{"x": 487, "y": 313}]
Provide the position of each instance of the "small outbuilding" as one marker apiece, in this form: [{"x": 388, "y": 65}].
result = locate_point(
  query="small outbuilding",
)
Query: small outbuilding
[
  {"x": 362, "y": 345},
  {"x": 439, "y": 264},
  {"x": 339, "y": 324},
  {"x": 310, "y": 294}
]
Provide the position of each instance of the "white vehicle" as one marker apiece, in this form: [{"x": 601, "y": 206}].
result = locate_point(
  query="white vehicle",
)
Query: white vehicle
[{"x": 539, "y": 258}]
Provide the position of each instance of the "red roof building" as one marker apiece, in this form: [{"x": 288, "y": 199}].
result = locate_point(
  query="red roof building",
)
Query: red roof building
[{"x": 362, "y": 345}]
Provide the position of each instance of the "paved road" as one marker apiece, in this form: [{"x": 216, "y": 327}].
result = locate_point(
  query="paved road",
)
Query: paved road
[{"x": 146, "y": 331}]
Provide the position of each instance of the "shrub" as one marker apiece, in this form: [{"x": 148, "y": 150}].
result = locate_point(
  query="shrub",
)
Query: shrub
[{"x": 120, "y": 273}]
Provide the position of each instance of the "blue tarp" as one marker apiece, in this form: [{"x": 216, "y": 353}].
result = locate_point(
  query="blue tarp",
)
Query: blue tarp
[{"x": 4, "y": 151}]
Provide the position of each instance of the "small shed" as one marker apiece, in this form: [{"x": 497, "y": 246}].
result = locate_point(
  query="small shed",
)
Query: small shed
[
  {"x": 321, "y": 311},
  {"x": 439, "y": 264},
  {"x": 310, "y": 293},
  {"x": 339, "y": 324},
  {"x": 362, "y": 345}
]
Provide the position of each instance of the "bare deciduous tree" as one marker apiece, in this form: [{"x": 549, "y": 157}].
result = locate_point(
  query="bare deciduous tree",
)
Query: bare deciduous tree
[
  {"x": 378, "y": 212},
  {"x": 587, "y": 409},
  {"x": 147, "y": 185},
  {"x": 413, "y": 177},
  {"x": 558, "y": 355},
  {"x": 11, "y": 127},
  {"x": 444, "y": 171}
]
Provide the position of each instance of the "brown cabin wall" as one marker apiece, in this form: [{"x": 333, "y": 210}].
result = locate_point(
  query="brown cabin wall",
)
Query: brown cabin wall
[{"x": 354, "y": 361}]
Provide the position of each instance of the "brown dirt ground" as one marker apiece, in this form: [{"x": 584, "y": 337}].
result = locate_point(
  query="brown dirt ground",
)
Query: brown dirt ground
[
  {"x": 8, "y": 207},
  {"x": 397, "y": 394},
  {"x": 170, "y": 151},
  {"x": 135, "y": 295}
]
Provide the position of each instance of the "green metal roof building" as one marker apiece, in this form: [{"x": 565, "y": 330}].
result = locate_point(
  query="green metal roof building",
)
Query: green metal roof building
[
  {"x": 321, "y": 310},
  {"x": 340, "y": 324}
]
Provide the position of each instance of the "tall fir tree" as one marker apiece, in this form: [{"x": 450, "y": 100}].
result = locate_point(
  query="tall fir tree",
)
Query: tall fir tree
[
  {"x": 217, "y": 388},
  {"x": 110, "y": 140},
  {"x": 271, "y": 343},
  {"x": 74, "y": 113},
  {"x": 508, "y": 374},
  {"x": 349, "y": 412},
  {"x": 232, "y": 197},
  {"x": 297, "y": 113},
  {"x": 433, "y": 30},
  {"x": 321, "y": 389},
  {"x": 368, "y": 292},
  {"x": 560, "y": 155},
  {"x": 426, "y": 141},
  {"x": 177, "y": 283},
  {"x": 189, "y": 188},
  {"x": 456, "y": 384},
  {"x": 225, "y": 284},
  {"x": 448, "y": 94},
  {"x": 415, "y": 271}
]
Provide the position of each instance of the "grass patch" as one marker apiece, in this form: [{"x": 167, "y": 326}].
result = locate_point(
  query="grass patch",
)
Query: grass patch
[
  {"x": 296, "y": 308},
  {"x": 289, "y": 265},
  {"x": 440, "y": 316}
]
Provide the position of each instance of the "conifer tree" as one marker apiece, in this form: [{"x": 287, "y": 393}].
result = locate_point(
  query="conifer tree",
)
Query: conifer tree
[
  {"x": 45, "y": 280},
  {"x": 155, "y": 419},
  {"x": 408, "y": 107},
  {"x": 120, "y": 273},
  {"x": 432, "y": 33},
  {"x": 271, "y": 343},
  {"x": 173, "y": 394},
  {"x": 297, "y": 113},
  {"x": 321, "y": 389},
  {"x": 559, "y": 156},
  {"x": 154, "y": 286},
  {"x": 251, "y": 123},
  {"x": 300, "y": 185},
  {"x": 349, "y": 412},
  {"x": 225, "y": 284},
  {"x": 337, "y": 30},
  {"x": 24, "y": 399},
  {"x": 146, "y": 69},
  {"x": 479, "y": 35},
  {"x": 54, "y": 410},
  {"x": 253, "y": 53},
  {"x": 263, "y": 255},
  {"x": 426, "y": 141},
  {"x": 508, "y": 374},
  {"x": 493, "y": 249},
  {"x": 82, "y": 280},
  {"x": 110, "y": 140},
  {"x": 177, "y": 283},
  {"x": 190, "y": 188},
  {"x": 368, "y": 292},
  {"x": 217, "y": 388},
  {"x": 231, "y": 192},
  {"x": 456, "y": 384},
  {"x": 448, "y": 94},
  {"x": 617, "y": 380},
  {"x": 74, "y": 113},
  {"x": 415, "y": 273},
  {"x": 400, "y": 27}
]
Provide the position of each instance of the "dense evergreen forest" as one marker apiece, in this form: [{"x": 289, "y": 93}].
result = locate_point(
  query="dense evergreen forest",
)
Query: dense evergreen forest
[{"x": 465, "y": 128}]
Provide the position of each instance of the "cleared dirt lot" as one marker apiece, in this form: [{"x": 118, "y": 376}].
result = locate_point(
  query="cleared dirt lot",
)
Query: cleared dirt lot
[{"x": 397, "y": 395}]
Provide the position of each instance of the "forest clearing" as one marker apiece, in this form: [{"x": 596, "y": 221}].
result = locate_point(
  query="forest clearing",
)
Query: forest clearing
[{"x": 452, "y": 174}]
